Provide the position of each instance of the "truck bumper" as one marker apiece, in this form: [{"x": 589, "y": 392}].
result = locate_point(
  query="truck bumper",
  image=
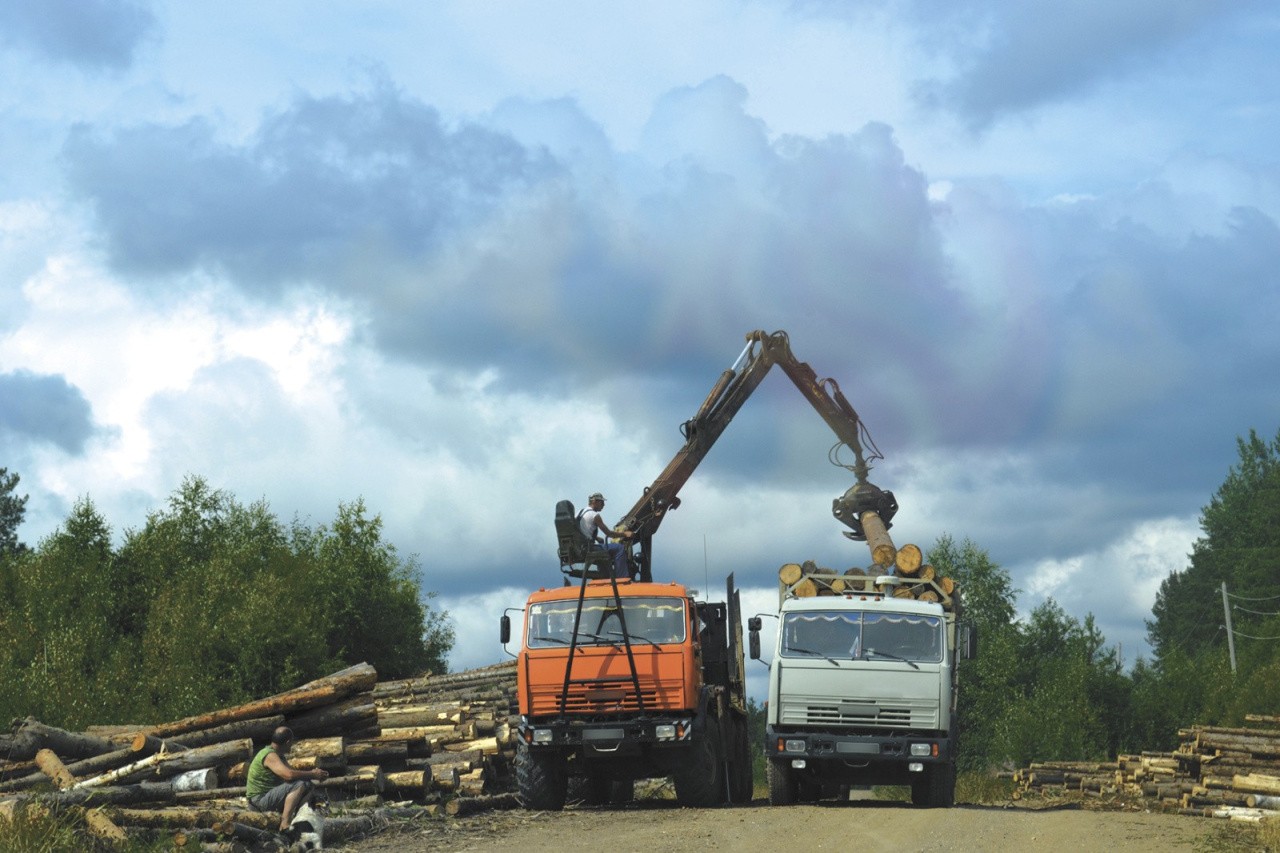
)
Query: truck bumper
[
  {"x": 607, "y": 736},
  {"x": 881, "y": 758}
]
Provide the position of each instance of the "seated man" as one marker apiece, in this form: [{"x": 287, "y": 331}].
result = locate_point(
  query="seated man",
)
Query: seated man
[
  {"x": 592, "y": 524},
  {"x": 272, "y": 785}
]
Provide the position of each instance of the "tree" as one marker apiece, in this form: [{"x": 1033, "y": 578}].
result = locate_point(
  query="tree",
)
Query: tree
[
  {"x": 13, "y": 510},
  {"x": 1240, "y": 546}
]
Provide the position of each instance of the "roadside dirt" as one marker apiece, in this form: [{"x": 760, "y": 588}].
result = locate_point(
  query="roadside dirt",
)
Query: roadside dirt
[{"x": 866, "y": 826}]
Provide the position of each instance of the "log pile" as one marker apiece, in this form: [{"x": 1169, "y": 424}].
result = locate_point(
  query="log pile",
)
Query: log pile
[
  {"x": 910, "y": 577},
  {"x": 439, "y": 744},
  {"x": 1231, "y": 773}
]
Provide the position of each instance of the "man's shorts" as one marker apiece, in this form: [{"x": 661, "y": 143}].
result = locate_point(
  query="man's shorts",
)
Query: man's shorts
[{"x": 273, "y": 800}]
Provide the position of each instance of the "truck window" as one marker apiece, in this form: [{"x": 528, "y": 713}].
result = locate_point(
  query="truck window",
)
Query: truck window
[
  {"x": 916, "y": 638},
  {"x": 650, "y": 621},
  {"x": 833, "y": 635}
]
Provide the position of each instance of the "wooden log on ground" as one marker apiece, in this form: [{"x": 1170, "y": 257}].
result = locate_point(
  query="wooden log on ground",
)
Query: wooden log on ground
[
  {"x": 170, "y": 764},
  {"x": 157, "y": 793},
  {"x": 258, "y": 729},
  {"x": 53, "y": 767},
  {"x": 358, "y": 712},
  {"x": 376, "y": 751},
  {"x": 103, "y": 827},
  {"x": 32, "y": 735},
  {"x": 495, "y": 673},
  {"x": 485, "y": 745},
  {"x": 346, "y": 828},
  {"x": 187, "y": 817},
  {"x": 322, "y": 691},
  {"x": 463, "y": 806},
  {"x": 1256, "y": 783}
]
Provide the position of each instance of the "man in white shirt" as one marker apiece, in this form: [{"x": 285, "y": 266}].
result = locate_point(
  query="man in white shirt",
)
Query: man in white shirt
[{"x": 593, "y": 527}]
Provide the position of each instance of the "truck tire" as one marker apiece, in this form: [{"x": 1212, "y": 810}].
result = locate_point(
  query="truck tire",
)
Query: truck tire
[
  {"x": 782, "y": 782},
  {"x": 935, "y": 788},
  {"x": 622, "y": 791},
  {"x": 701, "y": 781},
  {"x": 541, "y": 778}
]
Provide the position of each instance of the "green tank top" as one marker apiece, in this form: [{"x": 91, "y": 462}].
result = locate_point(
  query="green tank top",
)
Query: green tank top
[{"x": 260, "y": 779}]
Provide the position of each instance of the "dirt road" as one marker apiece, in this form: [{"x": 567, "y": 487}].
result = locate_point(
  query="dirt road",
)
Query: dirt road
[{"x": 865, "y": 827}]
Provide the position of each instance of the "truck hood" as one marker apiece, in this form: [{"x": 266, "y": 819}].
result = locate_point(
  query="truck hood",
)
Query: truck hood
[
  {"x": 868, "y": 694},
  {"x": 600, "y": 681}
]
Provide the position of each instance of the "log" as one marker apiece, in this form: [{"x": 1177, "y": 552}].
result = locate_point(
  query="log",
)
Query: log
[
  {"x": 376, "y": 751},
  {"x": 188, "y": 817},
  {"x": 908, "y": 559},
  {"x": 195, "y": 780},
  {"x": 805, "y": 589},
  {"x": 144, "y": 792},
  {"x": 486, "y": 746},
  {"x": 790, "y": 573},
  {"x": 462, "y": 806},
  {"x": 927, "y": 573},
  {"x": 883, "y": 552},
  {"x": 258, "y": 730},
  {"x": 1256, "y": 783},
  {"x": 345, "y": 828},
  {"x": 32, "y": 735},
  {"x": 322, "y": 691},
  {"x": 358, "y": 712},
  {"x": 319, "y": 748},
  {"x": 103, "y": 827},
  {"x": 53, "y": 767},
  {"x": 172, "y": 763}
]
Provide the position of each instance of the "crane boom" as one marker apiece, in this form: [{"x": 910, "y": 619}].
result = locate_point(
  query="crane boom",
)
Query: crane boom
[{"x": 864, "y": 508}]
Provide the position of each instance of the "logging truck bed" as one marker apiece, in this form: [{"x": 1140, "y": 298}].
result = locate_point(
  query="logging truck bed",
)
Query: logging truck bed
[{"x": 866, "y": 826}]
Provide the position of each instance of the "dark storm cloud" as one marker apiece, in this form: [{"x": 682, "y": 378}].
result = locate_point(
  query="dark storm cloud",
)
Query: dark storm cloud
[
  {"x": 90, "y": 34},
  {"x": 315, "y": 185},
  {"x": 44, "y": 409}
]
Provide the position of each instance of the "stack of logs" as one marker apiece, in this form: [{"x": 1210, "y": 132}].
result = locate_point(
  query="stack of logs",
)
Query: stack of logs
[
  {"x": 1230, "y": 773},
  {"x": 439, "y": 744},
  {"x": 917, "y": 579}
]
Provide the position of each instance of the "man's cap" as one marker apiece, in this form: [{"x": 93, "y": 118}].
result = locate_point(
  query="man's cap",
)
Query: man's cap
[{"x": 595, "y": 496}]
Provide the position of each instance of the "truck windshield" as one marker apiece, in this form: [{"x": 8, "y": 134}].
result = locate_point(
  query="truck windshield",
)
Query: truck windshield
[
  {"x": 650, "y": 621},
  {"x": 845, "y": 636}
]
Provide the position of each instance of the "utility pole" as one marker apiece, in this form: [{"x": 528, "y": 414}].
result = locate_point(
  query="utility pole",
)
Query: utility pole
[{"x": 1231, "y": 637}]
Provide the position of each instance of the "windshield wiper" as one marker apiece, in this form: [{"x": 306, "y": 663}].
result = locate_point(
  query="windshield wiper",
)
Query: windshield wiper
[
  {"x": 830, "y": 659},
  {"x": 907, "y": 661},
  {"x": 633, "y": 637},
  {"x": 599, "y": 638}
]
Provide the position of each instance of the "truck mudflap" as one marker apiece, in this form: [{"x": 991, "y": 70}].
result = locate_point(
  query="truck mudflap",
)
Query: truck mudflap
[{"x": 858, "y": 752}]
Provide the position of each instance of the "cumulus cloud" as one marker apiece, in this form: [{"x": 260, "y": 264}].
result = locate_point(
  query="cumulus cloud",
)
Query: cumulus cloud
[
  {"x": 42, "y": 408},
  {"x": 90, "y": 34}
]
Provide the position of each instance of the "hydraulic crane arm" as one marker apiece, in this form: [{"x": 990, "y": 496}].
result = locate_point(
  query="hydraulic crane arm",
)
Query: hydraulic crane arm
[{"x": 864, "y": 508}]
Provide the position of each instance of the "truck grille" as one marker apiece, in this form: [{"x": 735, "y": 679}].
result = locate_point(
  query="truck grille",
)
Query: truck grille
[
  {"x": 600, "y": 697},
  {"x": 898, "y": 716}
]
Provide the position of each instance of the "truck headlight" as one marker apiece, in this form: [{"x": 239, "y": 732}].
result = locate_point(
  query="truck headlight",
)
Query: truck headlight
[
  {"x": 794, "y": 746},
  {"x": 922, "y": 749},
  {"x": 542, "y": 735},
  {"x": 665, "y": 731}
]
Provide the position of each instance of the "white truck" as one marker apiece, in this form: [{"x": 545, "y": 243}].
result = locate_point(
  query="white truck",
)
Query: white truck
[{"x": 863, "y": 687}]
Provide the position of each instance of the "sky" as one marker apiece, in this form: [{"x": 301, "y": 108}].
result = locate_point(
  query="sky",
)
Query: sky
[{"x": 461, "y": 260}]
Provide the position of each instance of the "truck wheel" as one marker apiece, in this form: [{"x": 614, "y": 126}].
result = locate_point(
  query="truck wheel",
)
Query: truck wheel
[
  {"x": 942, "y": 786},
  {"x": 622, "y": 791},
  {"x": 701, "y": 781},
  {"x": 541, "y": 779},
  {"x": 935, "y": 788},
  {"x": 782, "y": 782}
]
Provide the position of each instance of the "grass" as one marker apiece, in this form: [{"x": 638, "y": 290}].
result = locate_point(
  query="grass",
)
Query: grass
[{"x": 63, "y": 832}]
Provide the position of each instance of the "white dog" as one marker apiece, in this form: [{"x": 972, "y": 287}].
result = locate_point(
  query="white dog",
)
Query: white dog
[{"x": 308, "y": 823}]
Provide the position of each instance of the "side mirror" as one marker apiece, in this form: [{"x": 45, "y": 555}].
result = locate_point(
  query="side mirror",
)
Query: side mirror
[
  {"x": 753, "y": 637},
  {"x": 968, "y": 641},
  {"x": 504, "y": 629}
]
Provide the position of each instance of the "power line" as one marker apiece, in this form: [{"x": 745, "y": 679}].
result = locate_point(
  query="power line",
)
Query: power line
[
  {"x": 1251, "y": 598},
  {"x": 1254, "y": 612},
  {"x": 1251, "y": 637}
]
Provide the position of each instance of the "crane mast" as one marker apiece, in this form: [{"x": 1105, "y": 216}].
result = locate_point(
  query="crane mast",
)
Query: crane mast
[{"x": 864, "y": 508}]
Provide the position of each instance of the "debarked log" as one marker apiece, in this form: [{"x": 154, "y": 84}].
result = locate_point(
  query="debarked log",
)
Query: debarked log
[{"x": 172, "y": 763}]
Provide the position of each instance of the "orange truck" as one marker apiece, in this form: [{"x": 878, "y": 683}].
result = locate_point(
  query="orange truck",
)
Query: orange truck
[{"x": 622, "y": 680}]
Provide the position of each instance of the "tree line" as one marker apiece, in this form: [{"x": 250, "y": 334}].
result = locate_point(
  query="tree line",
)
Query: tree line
[{"x": 212, "y": 602}]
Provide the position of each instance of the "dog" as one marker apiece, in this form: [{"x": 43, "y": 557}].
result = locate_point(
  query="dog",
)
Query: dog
[{"x": 307, "y": 828}]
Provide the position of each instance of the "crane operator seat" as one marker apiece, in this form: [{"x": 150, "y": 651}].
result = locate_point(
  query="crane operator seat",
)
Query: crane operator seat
[{"x": 580, "y": 556}]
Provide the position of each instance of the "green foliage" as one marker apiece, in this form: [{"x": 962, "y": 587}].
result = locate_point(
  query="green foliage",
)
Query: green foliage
[
  {"x": 210, "y": 604},
  {"x": 12, "y": 511}
]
